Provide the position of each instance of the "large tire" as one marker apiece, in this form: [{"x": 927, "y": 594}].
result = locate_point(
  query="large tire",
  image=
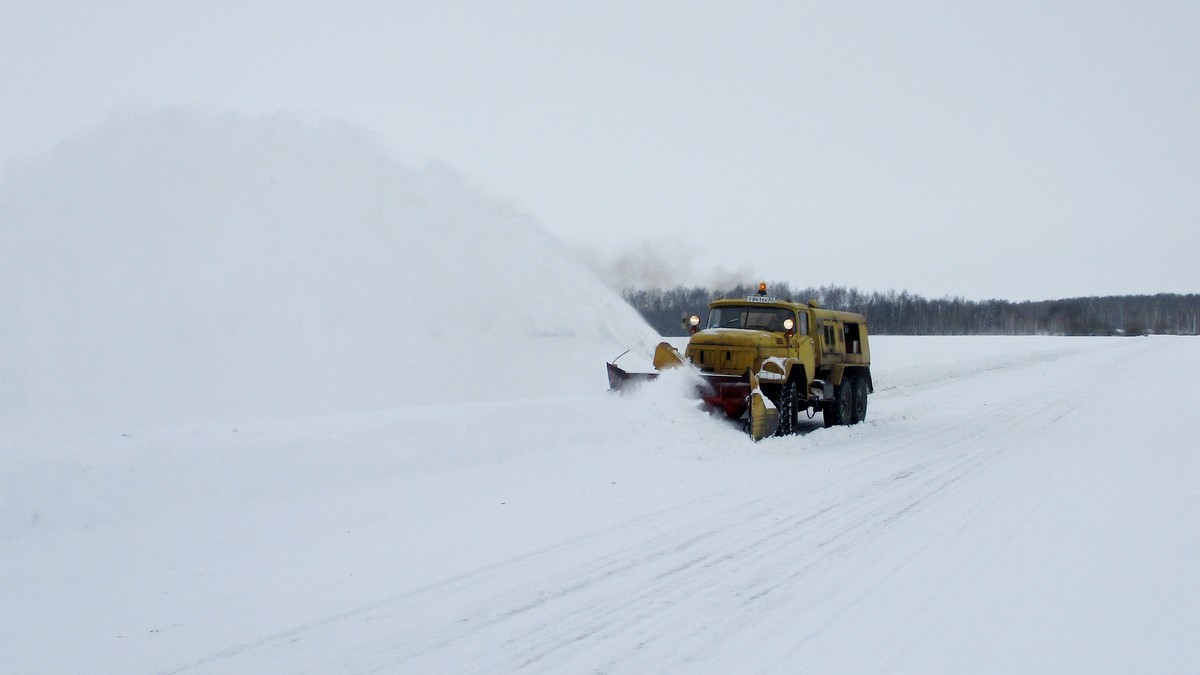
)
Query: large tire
[
  {"x": 829, "y": 413},
  {"x": 789, "y": 414},
  {"x": 845, "y": 400},
  {"x": 838, "y": 410},
  {"x": 860, "y": 401}
]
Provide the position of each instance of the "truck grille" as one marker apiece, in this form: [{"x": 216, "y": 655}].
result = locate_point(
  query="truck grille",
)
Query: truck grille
[{"x": 723, "y": 359}]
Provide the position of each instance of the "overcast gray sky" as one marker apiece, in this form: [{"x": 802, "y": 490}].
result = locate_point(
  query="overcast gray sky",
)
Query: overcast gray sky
[{"x": 1017, "y": 149}]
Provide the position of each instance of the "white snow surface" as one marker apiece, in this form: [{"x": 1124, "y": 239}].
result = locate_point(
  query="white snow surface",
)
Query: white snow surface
[
  {"x": 1011, "y": 505},
  {"x": 479, "y": 502}
]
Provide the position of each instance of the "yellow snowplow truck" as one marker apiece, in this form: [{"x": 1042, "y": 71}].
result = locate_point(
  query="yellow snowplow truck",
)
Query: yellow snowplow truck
[{"x": 763, "y": 360}]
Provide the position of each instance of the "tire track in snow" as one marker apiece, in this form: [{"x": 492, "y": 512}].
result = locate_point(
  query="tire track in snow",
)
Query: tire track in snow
[
  {"x": 1042, "y": 411},
  {"x": 701, "y": 574},
  {"x": 1055, "y": 402}
]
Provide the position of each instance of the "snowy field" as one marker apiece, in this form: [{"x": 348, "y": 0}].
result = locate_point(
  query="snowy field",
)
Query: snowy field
[
  {"x": 275, "y": 403},
  {"x": 1019, "y": 505}
]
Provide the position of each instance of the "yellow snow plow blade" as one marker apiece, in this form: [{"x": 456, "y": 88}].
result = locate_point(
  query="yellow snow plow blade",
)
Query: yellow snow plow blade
[
  {"x": 666, "y": 356},
  {"x": 764, "y": 416}
]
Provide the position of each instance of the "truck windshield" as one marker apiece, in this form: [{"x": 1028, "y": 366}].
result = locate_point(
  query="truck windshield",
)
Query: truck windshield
[{"x": 750, "y": 317}]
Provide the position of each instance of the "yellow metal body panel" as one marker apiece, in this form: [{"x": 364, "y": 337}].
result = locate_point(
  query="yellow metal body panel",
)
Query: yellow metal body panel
[{"x": 763, "y": 415}]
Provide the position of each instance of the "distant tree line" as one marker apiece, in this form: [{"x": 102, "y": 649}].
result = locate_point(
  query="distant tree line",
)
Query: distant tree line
[{"x": 902, "y": 313}]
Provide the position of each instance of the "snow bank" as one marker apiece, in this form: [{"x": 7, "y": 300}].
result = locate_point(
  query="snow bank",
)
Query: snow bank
[{"x": 182, "y": 266}]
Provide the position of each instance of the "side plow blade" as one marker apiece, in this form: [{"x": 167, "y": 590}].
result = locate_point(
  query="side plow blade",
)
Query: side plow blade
[
  {"x": 764, "y": 416},
  {"x": 665, "y": 356},
  {"x": 739, "y": 399},
  {"x": 619, "y": 380}
]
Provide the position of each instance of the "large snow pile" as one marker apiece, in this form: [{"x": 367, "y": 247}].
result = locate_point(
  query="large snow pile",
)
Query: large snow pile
[{"x": 182, "y": 266}]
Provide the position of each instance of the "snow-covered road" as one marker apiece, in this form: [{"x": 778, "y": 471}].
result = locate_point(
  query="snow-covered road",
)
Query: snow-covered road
[{"x": 1013, "y": 505}]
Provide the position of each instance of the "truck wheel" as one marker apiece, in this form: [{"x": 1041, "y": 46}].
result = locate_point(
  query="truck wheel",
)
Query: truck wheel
[
  {"x": 829, "y": 413},
  {"x": 860, "y": 401},
  {"x": 838, "y": 410},
  {"x": 846, "y": 401},
  {"x": 789, "y": 415}
]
